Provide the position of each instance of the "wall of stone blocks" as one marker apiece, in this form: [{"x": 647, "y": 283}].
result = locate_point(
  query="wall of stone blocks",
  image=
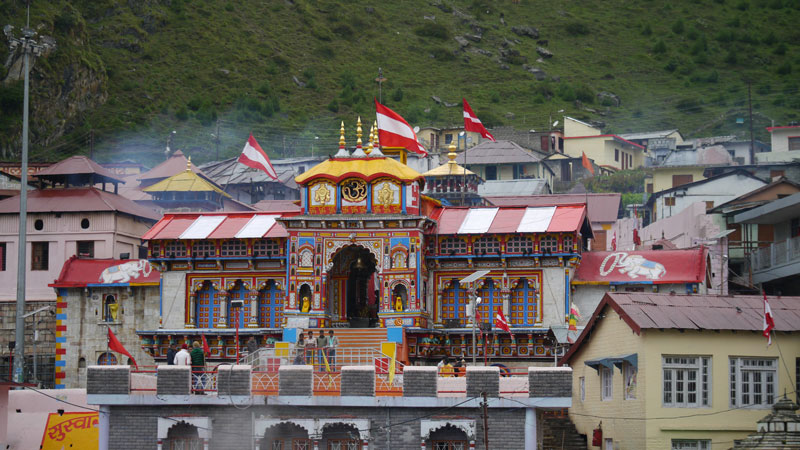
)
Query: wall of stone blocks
[
  {"x": 420, "y": 381},
  {"x": 358, "y": 380},
  {"x": 295, "y": 380},
  {"x": 550, "y": 382},
  {"x": 483, "y": 379},
  {"x": 234, "y": 380},
  {"x": 174, "y": 380},
  {"x": 108, "y": 380},
  {"x": 134, "y": 428}
]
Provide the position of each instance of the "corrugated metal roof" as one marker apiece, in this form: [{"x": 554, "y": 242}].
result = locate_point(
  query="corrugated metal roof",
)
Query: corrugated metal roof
[
  {"x": 76, "y": 200},
  {"x": 86, "y": 272},
  {"x": 216, "y": 226},
  {"x": 602, "y": 207},
  {"x": 648, "y": 134},
  {"x": 648, "y": 266},
  {"x": 511, "y": 220},
  {"x": 507, "y": 188},
  {"x": 176, "y": 163},
  {"x": 499, "y": 152},
  {"x": 278, "y": 206},
  {"x": 78, "y": 165}
]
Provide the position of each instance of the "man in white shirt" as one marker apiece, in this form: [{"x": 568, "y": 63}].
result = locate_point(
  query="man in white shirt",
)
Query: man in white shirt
[{"x": 182, "y": 358}]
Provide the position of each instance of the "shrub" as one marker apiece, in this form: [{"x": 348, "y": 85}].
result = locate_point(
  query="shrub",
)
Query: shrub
[
  {"x": 671, "y": 65},
  {"x": 576, "y": 29},
  {"x": 730, "y": 58},
  {"x": 660, "y": 47},
  {"x": 770, "y": 38},
  {"x": 584, "y": 94},
  {"x": 678, "y": 27},
  {"x": 397, "y": 95},
  {"x": 566, "y": 92},
  {"x": 494, "y": 96},
  {"x": 333, "y": 106},
  {"x": 743, "y": 5},
  {"x": 442, "y": 54},
  {"x": 785, "y": 68},
  {"x": 780, "y": 49},
  {"x": 647, "y": 30},
  {"x": 182, "y": 113},
  {"x": 66, "y": 21},
  {"x": 433, "y": 30}
]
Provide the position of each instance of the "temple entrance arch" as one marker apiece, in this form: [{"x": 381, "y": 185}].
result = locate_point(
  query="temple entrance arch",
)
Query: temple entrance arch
[{"x": 353, "y": 287}]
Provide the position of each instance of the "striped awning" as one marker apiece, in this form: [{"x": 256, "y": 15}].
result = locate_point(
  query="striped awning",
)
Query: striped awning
[
  {"x": 217, "y": 226},
  {"x": 540, "y": 219}
]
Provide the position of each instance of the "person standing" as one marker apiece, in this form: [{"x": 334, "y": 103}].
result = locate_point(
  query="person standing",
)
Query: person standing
[
  {"x": 333, "y": 342},
  {"x": 322, "y": 344},
  {"x": 252, "y": 345},
  {"x": 311, "y": 345},
  {"x": 171, "y": 352},
  {"x": 300, "y": 349},
  {"x": 183, "y": 358},
  {"x": 198, "y": 366}
]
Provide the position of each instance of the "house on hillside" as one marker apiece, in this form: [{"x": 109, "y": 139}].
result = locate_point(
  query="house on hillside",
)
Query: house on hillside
[
  {"x": 505, "y": 160},
  {"x": 609, "y": 151},
  {"x": 665, "y": 271},
  {"x": 551, "y": 141},
  {"x": 680, "y": 167},
  {"x": 785, "y": 138},
  {"x": 452, "y": 184},
  {"x": 438, "y": 139},
  {"x": 769, "y": 171},
  {"x": 568, "y": 170},
  {"x": 656, "y": 142},
  {"x": 693, "y": 370},
  {"x": 775, "y": 263},
  {"x": 711, "y": 191},
  {"x": 602, "y": 210}
]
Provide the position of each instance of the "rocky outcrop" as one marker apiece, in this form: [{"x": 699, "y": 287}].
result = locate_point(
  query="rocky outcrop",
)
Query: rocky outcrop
[{"x": 525, "y": 31}]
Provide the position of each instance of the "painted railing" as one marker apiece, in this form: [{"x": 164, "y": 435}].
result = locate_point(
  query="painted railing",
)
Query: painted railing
[{"x": 777, "y": 254}]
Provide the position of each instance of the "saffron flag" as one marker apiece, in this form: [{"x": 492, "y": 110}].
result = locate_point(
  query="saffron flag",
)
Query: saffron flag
[
  {"x": 500, "y": 321},
  {"x": 473, "y": 124},
  {"x": 206, "y": 348},
  {"x": 115, "y": 345},
  {"x": 769, "y": 322},
  {"x": 586, "y": 164},
  {"x": 394, "y": 131},
  {"x": 574, "y": 316},
  {"x": 254, "y": 156}
]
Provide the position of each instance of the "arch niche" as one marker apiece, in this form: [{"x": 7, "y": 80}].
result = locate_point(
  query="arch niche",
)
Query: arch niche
[{"x": 353, "y": 290}]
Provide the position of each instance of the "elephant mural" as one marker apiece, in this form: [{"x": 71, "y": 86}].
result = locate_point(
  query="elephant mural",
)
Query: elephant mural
[
  {"x": 632, "y": 265},
  {"x": 122, "y": 273}
]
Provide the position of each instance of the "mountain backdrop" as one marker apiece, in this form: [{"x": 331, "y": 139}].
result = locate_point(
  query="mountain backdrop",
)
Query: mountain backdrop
[{"x": 126, "y": 73}]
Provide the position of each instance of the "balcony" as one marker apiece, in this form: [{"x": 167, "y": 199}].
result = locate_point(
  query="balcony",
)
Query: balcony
[{"x": 781, "y": 259}]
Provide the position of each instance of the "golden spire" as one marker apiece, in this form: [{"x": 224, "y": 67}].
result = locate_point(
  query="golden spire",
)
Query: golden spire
[
  {"x": 341, "y": 136},
  {"x": 451, "y": 155},
  {"x": 189, "y": 164},
  {"x": 342, "y": 153},
  {"x": 369, "y": 144},
  {"x": 358, "y": 132},
  {"x": 376, "y": 145}
]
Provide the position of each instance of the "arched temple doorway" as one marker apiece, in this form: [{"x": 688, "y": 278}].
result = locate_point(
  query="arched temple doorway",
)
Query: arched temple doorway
[{"x": 354, "y": 290}]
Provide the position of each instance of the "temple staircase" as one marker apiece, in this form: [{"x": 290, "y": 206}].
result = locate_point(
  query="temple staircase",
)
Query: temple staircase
[{"x": 558, "y": 432}]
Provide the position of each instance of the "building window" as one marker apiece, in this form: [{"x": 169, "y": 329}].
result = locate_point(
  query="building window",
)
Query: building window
[
  {"x": 548, "y": 244},
  {"x": 678, "y": 180},
  {"x": 448, "y": 139},
  {"x": 519, "y": 171},
  {"x": 669, "y": 201},
  {"x": 491, "y": 301},
  {"x": 234, "y": 247},
  {"x": 691, "y": 444},
  {"x": 453, "y": 246},
  {"x": 519, "y": 244},
  {"x": 175, "y": 249},
  {"x": 203, "y": 249},
  {"x": 776, "y": 173},
  {"x": 794, "y": 143},
  {"x": 486, "y": 244},
  {"x": 607, "y": 383},
  {"x": 110, "y": 308},
  {"x": 155, "y": 249},
  {"x": 107, "y": 359},
  {"x": 582, "y": 388},
  {"x": 3, "y": 251},
  {"x": 491, "y": 172},
  {"x": 709, "y": 205},
  {"x": 40, "y": 255},
  {"x": 616, "y": 154},
  {"x": 567, "y": 244},
  {"x": 629, "y": 372},
  {"x": 687, "y": 381},
  {"x": 754, "y": 381},
  {"x": 86, "y": 249},
  {"x": 266, "y": 247}
]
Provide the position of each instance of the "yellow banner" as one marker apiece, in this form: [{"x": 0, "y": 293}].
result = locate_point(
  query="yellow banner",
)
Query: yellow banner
[
  {"x": 390, "y": 349},
  {"x": 71, "y": 430}
]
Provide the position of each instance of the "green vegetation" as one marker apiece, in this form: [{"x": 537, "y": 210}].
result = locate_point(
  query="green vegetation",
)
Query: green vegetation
[{"x": 290, "y": 71}]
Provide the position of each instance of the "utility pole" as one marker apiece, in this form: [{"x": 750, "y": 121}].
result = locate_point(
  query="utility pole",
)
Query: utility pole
[
  {"x": 485, "y": 405},
  {"x": 91, "y": 144},
  {"x": 750, "y": 107},
  {"x": 29, "y": 46},
  {"x": 380, "y": 79},
  {"x": 216, "y": 143}
]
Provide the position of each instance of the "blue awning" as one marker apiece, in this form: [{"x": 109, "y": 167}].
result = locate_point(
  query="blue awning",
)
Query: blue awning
[
  {"x": 596, "y": 363},
  {"x": 632, "y": 359},
  {"x": 610, "y": 362}
]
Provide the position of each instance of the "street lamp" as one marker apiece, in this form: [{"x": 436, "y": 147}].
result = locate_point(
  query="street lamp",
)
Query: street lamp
[{"x": 29, "y": 46}]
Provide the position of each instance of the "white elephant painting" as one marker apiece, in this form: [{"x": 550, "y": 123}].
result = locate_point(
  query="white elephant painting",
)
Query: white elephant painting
[
  {"x": 632, "y": 265},
  {"x": 122, "y": 273}
]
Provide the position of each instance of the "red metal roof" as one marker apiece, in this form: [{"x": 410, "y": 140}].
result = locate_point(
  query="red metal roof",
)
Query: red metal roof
[
  {"x": 76, "y": 200},
  {"x": 87, "y": 272},
  {"x": 642, "y": 311},
  {"x": 647, "y": 266},
  {"x": 511, "y": 220},
  {"x": 173, "y": 226},
  {"x": 450, "y": 220},
  {"x": 278, "y": 206},
  {"x": 567, "y": 218},
  {"x": 506, "y": 220},
  {"x": 602, "y": 207},
  {"x": 77, "y": 165}
]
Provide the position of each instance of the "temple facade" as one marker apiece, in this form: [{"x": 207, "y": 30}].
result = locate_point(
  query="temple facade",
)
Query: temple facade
[{"x": 368, "y": 250}]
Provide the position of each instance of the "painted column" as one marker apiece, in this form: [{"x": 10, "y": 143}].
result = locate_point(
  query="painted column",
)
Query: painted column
[
  {"x": 422, "y": 446},
  {"x": 253, "y": 322},
  {"x": 160, "y": 444},
  {"x": 205, "y": 444},
  {"x": 222, "y": 322},
  {"x": 192, "y": 308},
  {"x": 316, "y": 444},
  {"x": 104, "y": 418},
  {"x": 471, "y": 444},
  {"x": 365, "y": 444},
  {"x": 530, "y": 429}
]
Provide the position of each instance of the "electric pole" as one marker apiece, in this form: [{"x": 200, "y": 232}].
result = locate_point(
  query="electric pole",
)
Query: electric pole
[
  {"x": 750, "y": 107},
  {"x": 29, "y": 46},
  {"x": 380, "y": 79},
  {"x": 485, "y": 405}
]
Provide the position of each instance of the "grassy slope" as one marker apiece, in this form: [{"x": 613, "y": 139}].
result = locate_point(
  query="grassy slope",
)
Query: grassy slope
[{"x": 198, "y": 59}]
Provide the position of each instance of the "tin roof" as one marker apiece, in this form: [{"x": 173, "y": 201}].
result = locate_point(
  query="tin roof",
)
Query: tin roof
[
  {"x": 649, "y": 267},
  {"x": 499, "y": 152},
  {"x": 176, "y": 163},
  {"x": 103, "y": 272},
  {"x": 602, "y": 207},
  {"x": 511, "y": 220},
  {"x": 217, "y": 226},
  {"x": 76, "y": 200},
  {"x": 337, "y": 169},
  {"x": 186, "y": 181},
  {"x": 509, "y": 188},
  {"x": 79, "y": 165},
  {"x": 642, "y": 311}
]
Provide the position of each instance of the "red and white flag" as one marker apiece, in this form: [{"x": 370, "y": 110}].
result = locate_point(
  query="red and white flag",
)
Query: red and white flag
[
  {"x": 500, "y": 321},
  {"x": 769, "y": 322},
  {"x": 473, "y": 124},
  {"x": 253, "y": 156},
  {"x": 394, "y": 131}
]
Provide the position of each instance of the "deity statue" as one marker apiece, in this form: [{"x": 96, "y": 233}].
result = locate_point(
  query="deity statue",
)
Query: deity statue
[
  {"x": 398, "y": 304},
  {"x": 385, "y": 195},
  {"x": 306, "y": 307},
  {"x": 323, "y": 195},
  {"x": 112, "y": 311}
]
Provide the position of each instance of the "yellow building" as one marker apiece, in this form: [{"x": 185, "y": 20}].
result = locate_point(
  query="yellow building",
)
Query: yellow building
[
  {"x": 609, "y": 151},
  {"x": 668, "y": 177},
  {"x": 665, "y": 371}
]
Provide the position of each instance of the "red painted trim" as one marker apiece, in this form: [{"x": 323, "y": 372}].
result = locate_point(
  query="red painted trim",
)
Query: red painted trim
[
  {"x": 61, "y": 305},
  {"x": 607, "y": 135},
  {"x": 61, "y": 328},
  {"x": 61, "y": 351},
  {"x": 782, "y": 128},
  {"x": 60, "y": 374}
]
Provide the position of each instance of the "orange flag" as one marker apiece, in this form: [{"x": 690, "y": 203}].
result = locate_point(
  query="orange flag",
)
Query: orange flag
[
  {"x": 115, "y": 345},
  {"x": 586, "y": 164}
]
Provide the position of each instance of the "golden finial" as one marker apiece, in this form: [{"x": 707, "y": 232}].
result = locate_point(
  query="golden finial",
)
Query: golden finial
[
  {"x": 189, "y": 164},
  {"x": 452, "y": 154},
  {"x": 341, "y": 136},
  {"x": 342, "y": 153},
  {"x": 375, "y": 141},
  {"x": 369, "y": 144},
  {"x": 376, "y": 145},
  {"x": 358, "y": 133}
]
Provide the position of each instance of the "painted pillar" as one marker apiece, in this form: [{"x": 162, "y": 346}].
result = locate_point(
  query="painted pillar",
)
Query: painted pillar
[
  {"x": 104, "y": 418},
  {"x": 316, "y": 445},
  {"x": 422, "y": 445},
  {"x": 530, "y": 429},
  {"x": 61, "y": 339},
  {"x": 192, "y": 308},
  {"x": 205, "y": 444},
  {"x": 471, "y": 444},
  {"x": 365, "y": 444},
  {"x": 160, "y": 445},
  {"x": 222, "y": 322},
  {"x": 253, "y": 322}
]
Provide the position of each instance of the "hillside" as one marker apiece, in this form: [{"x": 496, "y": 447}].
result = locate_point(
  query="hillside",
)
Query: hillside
[{"x": 127, "y": 73}]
